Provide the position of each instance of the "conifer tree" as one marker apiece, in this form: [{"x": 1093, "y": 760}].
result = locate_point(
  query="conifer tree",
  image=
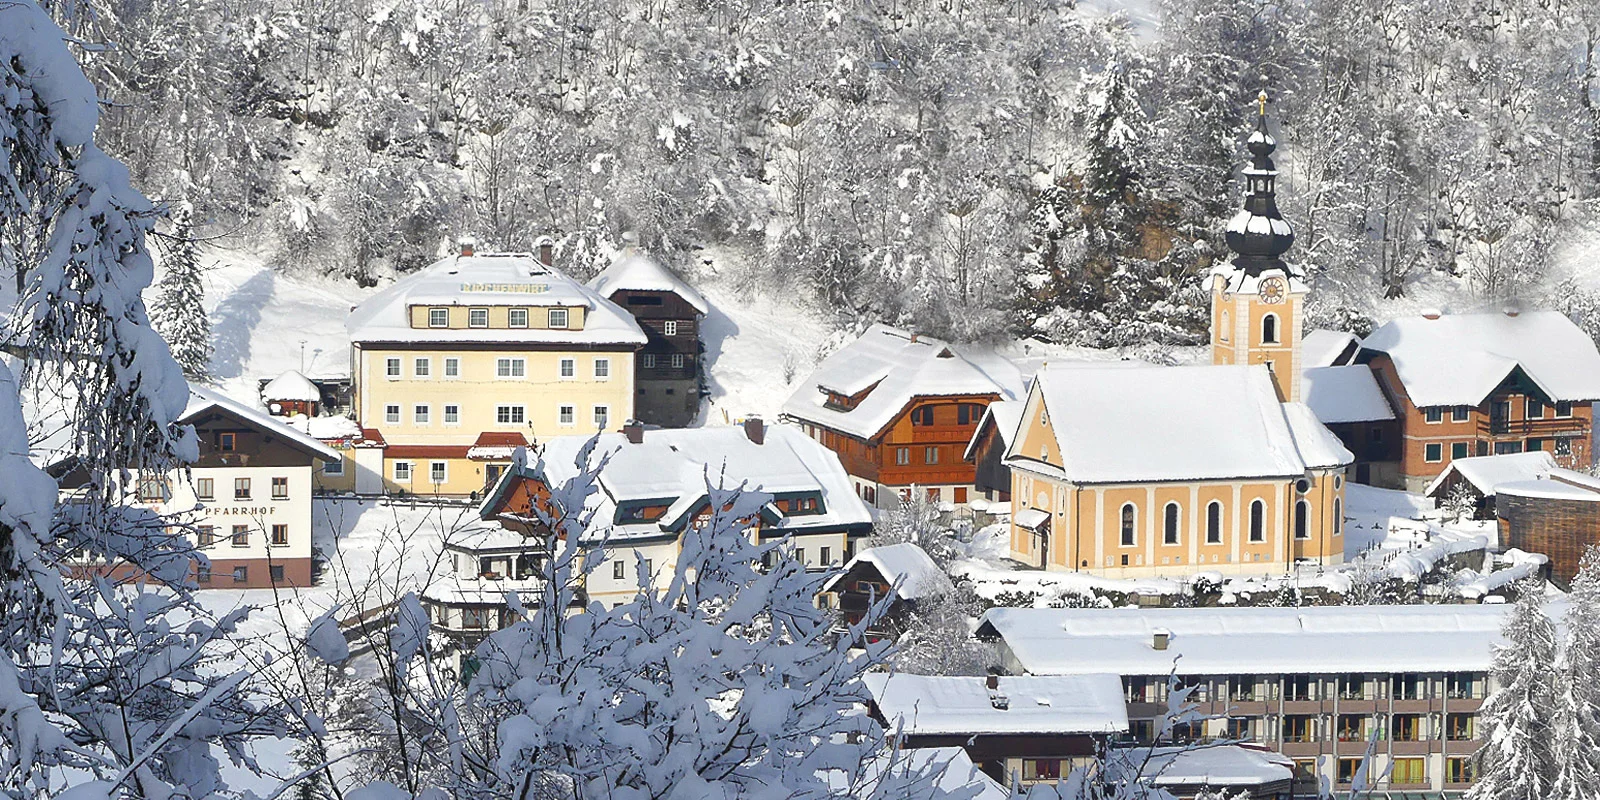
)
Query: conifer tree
[
  {"x": 1516, "y": 760},
  {"x": 178, "y": 311},
  {"x": 1575, "y": 744}
]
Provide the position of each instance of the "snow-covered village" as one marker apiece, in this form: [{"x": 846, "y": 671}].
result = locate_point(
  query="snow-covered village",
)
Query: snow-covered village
[{"x": 800, "y": 399}]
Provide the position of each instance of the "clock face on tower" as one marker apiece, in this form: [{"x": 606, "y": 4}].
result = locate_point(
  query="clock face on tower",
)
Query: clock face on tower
[{"x": 1272, "y": 290}]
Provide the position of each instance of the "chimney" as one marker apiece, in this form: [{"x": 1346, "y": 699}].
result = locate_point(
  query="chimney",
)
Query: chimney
[
  {"x": 755, "y": 429},
  {"x": 913, "y": 338},
  {"x": 1430, "y": 313},
  {"x": 468, "y": 245},
  {"x": 1512, "y": 311},
  {"x": 634, "y": 430},
  {"x": 993, "y": 682},
  {"x": 1159, "y": 638},
  {"x": 546, "y": 247}
]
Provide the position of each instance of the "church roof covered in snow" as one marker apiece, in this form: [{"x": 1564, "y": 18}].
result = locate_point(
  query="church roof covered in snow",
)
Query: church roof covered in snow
[
  {"x": 1222, "y": 641},
  {"x": 1344, "y": 394},
  {"x": 1127, "y": 425},
  {"x": 668, "y": 469},
  {"x": 1025, "y": 704},
  {"x": 1485, "y": 473},
  {"x": 635, "y": 271},
  {"x": 492, "y": 279},
  {"x": 1459, "y": 359},
  {"x": 291, "y": 386},
  {"x": 1325, "y": 348},
  {"x": 886, "y": 369},
  {"x": 903, "y": 563},
  {"x": 202, "y": 399}
]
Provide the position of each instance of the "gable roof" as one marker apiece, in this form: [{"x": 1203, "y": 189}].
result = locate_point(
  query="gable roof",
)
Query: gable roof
[
  {"x": 895, "y": 367},
  {"x": 1344, "y": 394},
  {"x": 488, "y": 279},
  {"x": 671, "y": 466},
  {"x": 1487, "y": 472},
  {"x": 1325, "y": 348},
  {"x": 1459, "y": 359},
  {"x": 639, "y": 272},
  {"x": 1136, "y": 424},
  {"x": 1006, "y": 415},
  {"x": 901, "y": 562},
  {"x": 948, "y": 705},
  {"x": 1221, "y": 641},
  {"x": 202, "y": 400},
  {"x": 1317, "y": 445},
  {"x": 291, "y": 386}
]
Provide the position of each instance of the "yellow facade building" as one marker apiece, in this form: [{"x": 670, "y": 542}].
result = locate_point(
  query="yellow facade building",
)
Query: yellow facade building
[
  {"x": 456, "y": 366},
  {"x": 1137, "y": 471}
]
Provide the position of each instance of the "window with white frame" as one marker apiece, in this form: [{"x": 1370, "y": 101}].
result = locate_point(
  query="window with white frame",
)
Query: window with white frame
[
  {"x": 437, "y": 471},
  {"x": 420, "y": 413},
  {"x": 334, "y": 467},
  {"x": 677, "y": 361},
  {"x": 391, "y": 414},
  {"x": 648, "y": 361},
  {"x": 438, "y": 317},
  {"x": 569, "y": 367},
  {"x": 602, "y": 417},
  {"x": 402, "y": 471},
  {"x": 452, "y": 414},
  {"x": 517, "y": 318},
  {"x": 391, "y": 367},
  {"x": 566, "y": 415},
  {"x": 452, "y": 367},
  {"x": 510, "y": 367},
  {"x": 602, "y": 368},
  {"x": 422, "y": 367},
  {"x": 558, "y": 318},
  {"x": 669, "y": 328},
  {"x": 478, "y": 317},
  {"x": 510, "y": 415}
]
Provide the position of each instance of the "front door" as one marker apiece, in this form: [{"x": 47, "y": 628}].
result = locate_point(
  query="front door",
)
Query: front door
[{"x": 491, "y": 475}]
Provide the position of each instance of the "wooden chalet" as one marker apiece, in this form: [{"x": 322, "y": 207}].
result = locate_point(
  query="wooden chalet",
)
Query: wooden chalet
[
  {"x": 900, "y": 410},
  {"x": 987, "y": 450},
  {"x": 667, "y": 369},
  {"x": 903, "y": 571}
]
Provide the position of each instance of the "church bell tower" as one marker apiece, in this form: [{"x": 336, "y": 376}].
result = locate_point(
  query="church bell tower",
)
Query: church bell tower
[{"x": 1257, "y": 298}]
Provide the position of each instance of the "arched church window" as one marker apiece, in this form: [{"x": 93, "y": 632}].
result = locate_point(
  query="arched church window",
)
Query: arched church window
[
  {"x": 1127, "y": 525},
  {"x": 1302, "y": 520},
  {"x": 1258, "y": 521},
  {"x": 1214, "y": 523},
  {"x": 1169, "y": 530},
  {"x": 1269, "y": 329}
]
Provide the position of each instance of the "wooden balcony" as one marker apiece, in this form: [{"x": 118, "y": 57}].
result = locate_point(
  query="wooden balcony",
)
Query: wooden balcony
[
  {"x": 1549, "y": 427},
  {"x": 938, "y": 434}
]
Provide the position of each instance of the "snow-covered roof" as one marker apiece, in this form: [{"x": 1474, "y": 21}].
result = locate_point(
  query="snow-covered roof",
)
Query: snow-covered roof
[
  {"x": 1487, "y": 472},
  {"x": 1318, "y": 447},
  {"x": 635, "y": 271},
  {"x": 1458, "y": 359},
  {"x": 1007, "y": 418},
  {"x": 1558, "y": 484},
  {"x": 671, "y": 467},
  {"x": 1214, "y": 765},
  {"x": 1325, "y": 348},
  {"x": 933, "y": 773},
  {"x": 1116, "y": 425},
  {"x": 1052, "y": 704},
  {"x": 291, "y": 386},
  {"x": 1344, "y": 394},
  {"x": 1240, "y": 281},
  {"x": 494, "y": 279},
  {"x": 897, "y": 367},
  {"x": 905, "y": 563},
  {"x": 1219, "y": 641},
  {"x": 325, "y": 428},
  {"x": 202, "y": 399}
]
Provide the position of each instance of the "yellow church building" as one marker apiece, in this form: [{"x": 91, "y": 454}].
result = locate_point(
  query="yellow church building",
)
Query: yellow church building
[
  {"x": 1132, "y": 471},
  {"x": 457, "y": 365}
]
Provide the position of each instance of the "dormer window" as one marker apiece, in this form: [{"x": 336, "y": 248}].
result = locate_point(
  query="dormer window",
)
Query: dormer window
[
  {"x": 438, "y": 317},
  {"x": 478, "y": 317},
  {"x": 558, "y": 318}
]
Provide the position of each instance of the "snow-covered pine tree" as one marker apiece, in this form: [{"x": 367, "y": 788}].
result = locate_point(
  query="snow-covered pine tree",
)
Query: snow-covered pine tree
[
  {"x": 1576, "y": 722},
  {"x": 178, "y": 311},
  {"x": 1515, "y": 762}
]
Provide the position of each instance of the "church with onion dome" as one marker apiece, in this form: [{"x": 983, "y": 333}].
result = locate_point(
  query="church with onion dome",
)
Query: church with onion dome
[{"x": 1128, "y": 470}]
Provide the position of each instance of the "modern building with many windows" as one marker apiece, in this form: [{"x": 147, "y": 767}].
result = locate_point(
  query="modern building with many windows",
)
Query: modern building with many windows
[
  {"x": 457, "y": 365},
  {"x": 1318, "y": 684}
]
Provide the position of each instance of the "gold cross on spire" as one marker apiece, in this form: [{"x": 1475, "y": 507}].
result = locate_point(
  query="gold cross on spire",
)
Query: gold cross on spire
[{"x": 1261, "y": 103}]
